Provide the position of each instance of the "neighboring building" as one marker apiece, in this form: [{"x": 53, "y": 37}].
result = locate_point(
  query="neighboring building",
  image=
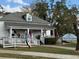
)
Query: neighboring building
[{"x": 14, "y": 26}]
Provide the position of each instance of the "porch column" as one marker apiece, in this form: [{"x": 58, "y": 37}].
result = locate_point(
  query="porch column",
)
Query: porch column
[
  {"x": 10, "y": 32},
  {"x": 53, "y": 32},
  {"x": 42, "y": 36},
  {"x": 28, "y": 36},
  {"x": 28, "y": 31}
]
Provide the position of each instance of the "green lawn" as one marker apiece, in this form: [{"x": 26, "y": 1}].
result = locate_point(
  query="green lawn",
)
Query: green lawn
[
  {"x": 21, "y": 56},
  {"x": 45, "y": 49},
  {"x": 70, "y": 45}
]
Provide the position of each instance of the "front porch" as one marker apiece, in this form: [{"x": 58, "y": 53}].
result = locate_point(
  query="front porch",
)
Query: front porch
[{"x": 18, "y": 36}]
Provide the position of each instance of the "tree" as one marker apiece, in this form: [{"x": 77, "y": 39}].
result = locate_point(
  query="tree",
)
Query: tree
[
  {"x": 27, "y": 9},
  {"x": 40, "y": 10},
  {"x": 62, "y": 15},
  {"x": 66, "y": 20},
  {"x": 1, "y": 9},
  {"x": 51, "y": 3},
  {"x": 74, "y": 12}
]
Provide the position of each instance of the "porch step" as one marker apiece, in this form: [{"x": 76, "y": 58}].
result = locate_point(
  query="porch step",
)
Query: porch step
[
  {"x": 7, "y": 45},
  {"x": 20, "y": 45},
  {"x": 15, "y": 45}
]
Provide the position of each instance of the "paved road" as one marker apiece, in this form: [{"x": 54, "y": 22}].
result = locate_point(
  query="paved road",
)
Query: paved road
[{"x": 49, "y": 55}]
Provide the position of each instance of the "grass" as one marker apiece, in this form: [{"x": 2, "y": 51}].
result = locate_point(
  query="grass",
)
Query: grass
[
  {"x": 73, "y": 45},
  {"x": 70, "y": 45},
  {"x": 21, "y": 56},
  {"x": 46, "y": 50}
]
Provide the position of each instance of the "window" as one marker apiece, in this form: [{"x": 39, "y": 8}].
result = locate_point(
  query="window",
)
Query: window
[{"x": 51, "y": 32}]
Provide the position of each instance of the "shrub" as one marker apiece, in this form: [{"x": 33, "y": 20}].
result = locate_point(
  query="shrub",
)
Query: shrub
[
  {"x": 1, "y": 45},
  {"x": 38, "y": 37},
  {"x": 50, "y": 40}
]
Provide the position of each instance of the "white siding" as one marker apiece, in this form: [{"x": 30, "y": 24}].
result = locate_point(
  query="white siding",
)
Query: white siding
[
  {"x": 3, "y": 31},
  {"x": 48, "y": 33}
]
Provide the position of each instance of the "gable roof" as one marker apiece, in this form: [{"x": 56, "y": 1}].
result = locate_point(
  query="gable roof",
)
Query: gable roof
[{"x": 17, "y": 18}]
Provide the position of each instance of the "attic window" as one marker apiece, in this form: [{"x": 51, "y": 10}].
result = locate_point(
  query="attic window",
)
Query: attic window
[{"x": 28, "y": 17}]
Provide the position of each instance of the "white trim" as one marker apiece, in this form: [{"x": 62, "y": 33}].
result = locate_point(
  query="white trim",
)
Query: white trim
[
  {"x": 25, "y": 27},
  {"x": 28, "y": 23},
  {"x": 28, "y": 31},
  {"x": 42, "y": 36},
  {"x": 53, "y": 32},
  {"x": 10, "y": 32}
]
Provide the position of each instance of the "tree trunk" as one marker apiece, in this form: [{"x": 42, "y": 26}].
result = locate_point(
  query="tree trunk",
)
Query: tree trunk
[
  {"x": 77, "y": 34},
  {"x": 77, "y": 45}
]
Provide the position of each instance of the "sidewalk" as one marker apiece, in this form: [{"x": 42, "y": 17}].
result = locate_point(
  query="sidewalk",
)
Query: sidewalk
[
  {"x": 6, "y": 58},
  {"x": 49, "y": 55}
]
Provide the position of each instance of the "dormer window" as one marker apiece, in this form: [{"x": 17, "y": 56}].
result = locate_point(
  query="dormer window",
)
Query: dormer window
[
  {"x": 1, "y": 16},
  {"x": 28, "y": 17}
]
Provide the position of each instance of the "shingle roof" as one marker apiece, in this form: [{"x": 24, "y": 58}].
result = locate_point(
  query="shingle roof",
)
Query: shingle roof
[{"x": 17, "y": 18}]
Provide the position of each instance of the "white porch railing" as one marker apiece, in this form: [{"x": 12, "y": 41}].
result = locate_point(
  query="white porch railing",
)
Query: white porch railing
[
  {"x": 13, "y": 42},
  {"x": 17, "y": 42},
  {"x": 35, "y": 41}
]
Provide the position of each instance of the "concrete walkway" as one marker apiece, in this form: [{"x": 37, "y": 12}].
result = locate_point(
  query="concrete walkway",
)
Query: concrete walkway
[
  {"x": 6, "y": 58},
  {"x": 69, "y": 48},
  {"x": 49, "y": 55}
]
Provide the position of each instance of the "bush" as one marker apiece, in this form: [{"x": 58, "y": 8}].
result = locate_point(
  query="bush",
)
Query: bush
[
  {"x": 1, "y": 46},
  {"x": 38, "y": 37},
  {"x": 50, "y": 41}
]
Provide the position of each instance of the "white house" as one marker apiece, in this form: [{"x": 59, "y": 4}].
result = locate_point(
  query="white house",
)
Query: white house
[{"x": 13, "y": 28}]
